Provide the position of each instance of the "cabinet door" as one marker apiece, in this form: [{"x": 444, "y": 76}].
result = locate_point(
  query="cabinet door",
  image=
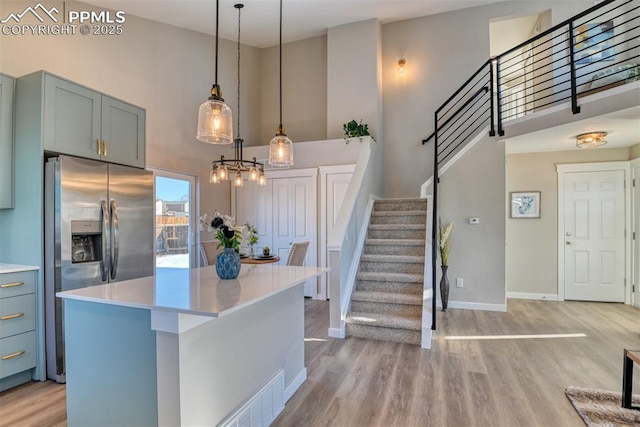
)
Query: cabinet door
[
  {"x": 6, "y": 142},
  {"x": 123, "y": 132},
  {"x": 71, "y": 118}
]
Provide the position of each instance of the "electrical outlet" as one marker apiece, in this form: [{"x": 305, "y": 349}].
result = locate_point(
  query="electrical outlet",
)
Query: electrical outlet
[{"x": 459, "y": 282}]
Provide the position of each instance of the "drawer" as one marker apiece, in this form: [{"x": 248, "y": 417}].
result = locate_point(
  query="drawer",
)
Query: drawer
[
  {"x": 17, "y": 315},
  {"x": 17, "y": 353},
  {"x": 14, "y": 284}
]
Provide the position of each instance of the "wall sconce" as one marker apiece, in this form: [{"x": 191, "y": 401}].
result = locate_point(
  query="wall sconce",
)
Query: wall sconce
[
  {"x": 401, "y": 64},
  {"x": 591, "y": 139}
]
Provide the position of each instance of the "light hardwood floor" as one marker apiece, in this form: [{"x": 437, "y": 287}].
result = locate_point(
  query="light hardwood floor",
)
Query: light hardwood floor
[{"x": 471, "y": 382}]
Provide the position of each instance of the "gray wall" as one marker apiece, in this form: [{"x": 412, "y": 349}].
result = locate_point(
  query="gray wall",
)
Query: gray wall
[
  {"x": 532, "y": 244},
  {"x": 304, "y": 90}
]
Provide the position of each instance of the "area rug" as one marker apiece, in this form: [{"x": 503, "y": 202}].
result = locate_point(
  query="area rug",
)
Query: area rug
[{"x": 599, "y": 408}]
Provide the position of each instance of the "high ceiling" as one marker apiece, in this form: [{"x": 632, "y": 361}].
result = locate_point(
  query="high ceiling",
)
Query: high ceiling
[{"x": 301, "y": 18}]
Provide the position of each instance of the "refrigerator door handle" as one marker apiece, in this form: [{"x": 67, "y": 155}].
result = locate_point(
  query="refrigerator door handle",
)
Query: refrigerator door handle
[
  {"x": 116, "y": 239},
  {"x": 106, "y": 241}
]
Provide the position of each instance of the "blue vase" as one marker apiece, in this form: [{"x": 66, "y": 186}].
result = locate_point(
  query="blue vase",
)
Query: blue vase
[{"x": 228, "y": 264}]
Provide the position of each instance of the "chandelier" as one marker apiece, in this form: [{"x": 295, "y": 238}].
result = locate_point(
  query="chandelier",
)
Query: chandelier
[
  {"x": 215, "y": 123},
  {"x": 222, "y": 169}
]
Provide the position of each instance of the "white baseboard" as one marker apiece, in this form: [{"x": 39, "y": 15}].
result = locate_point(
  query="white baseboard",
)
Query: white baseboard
[
  {"x": 336, "y": 333},
  {"x": 475, "y": 306},
  {"x": 526, "y": 295},
  {"x": 295, "y": 385}
]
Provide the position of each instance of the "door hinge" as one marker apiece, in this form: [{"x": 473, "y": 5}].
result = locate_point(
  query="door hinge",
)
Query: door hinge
[
  {"x": 634, "y": 235},
  {"x": 633, "y": 288},
  {"x": 633, "y": 182}
]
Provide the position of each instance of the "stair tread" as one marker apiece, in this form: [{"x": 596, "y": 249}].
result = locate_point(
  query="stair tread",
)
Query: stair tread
[
  {"x": 390, "y": 277},
  {"x": 401, "y": 199},
  {"x": 397, "y": 227},
  {"x": 384, "y": 320},
  {"x": 399, "y": 213},
  {"x": 405, "y": 259},
  {"x": 395, "y": 242},
  {"x": 387, "y": 297}
]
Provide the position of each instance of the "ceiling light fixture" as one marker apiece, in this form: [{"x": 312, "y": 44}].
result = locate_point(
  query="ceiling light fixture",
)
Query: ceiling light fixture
[
  {"x": 215, "y": 125},
  {"x": 220, "y": 169},
  {"x": 281, "y": 147},
  {"x": 591, "y": 139}
]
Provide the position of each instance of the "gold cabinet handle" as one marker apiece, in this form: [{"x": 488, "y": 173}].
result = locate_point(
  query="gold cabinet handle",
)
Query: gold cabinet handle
[
  {"x": 12, "y": 355},
  {"x": 99, "y": 147},
  {"x": 105, "y": 148},
  {"x": 11, "y": 285},
  {"x": 11, "y": 316}
]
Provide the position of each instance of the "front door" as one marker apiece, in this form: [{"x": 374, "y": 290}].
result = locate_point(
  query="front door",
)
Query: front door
[
  {"x": 594, "y": 236},
  {"x": 636, "y": 237}
]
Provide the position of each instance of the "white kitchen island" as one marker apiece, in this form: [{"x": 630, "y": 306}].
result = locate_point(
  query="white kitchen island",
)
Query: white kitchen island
[{"x": 186, "y": 348}]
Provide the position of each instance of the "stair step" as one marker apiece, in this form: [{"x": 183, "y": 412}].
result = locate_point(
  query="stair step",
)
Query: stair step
[
  {"x": 405, "y": 259},
  {"x": 386, "y": 205},
  {"x": 390, "y": 277},
  {"x": 405, "y": 247},
  {"x": 387, "y": 242},
  {"x": 384, "y": 320},
  {"x": 397, "y": 231},
  {"x": 392, "y": 264},
  {"x": 395, "y": 287},
  {"x": 398, "y": 217},
  {"x": 403, "y": 336},
  {"x": 387, "y": 297}
]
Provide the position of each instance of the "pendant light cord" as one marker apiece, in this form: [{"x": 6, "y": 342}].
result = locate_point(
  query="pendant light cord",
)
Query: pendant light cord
[
  {"x": 217, "y": 21},
  {"x": 280, "y": 63},
  {"x": 239, "y": 7}
]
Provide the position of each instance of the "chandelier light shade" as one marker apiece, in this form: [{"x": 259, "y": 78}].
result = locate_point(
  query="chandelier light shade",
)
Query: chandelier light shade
[
  {"x": 281, "y": 147},
  {"x": 591, "y": 139},
  {"x": 224, "y": 170},
  {"x": 215, "y": 122}
]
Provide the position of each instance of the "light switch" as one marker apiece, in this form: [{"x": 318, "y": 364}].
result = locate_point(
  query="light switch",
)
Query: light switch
[{"x": 474, "y": 220}]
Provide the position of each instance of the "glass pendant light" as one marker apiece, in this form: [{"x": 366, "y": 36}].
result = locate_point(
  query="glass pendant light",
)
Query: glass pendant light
[
  {"x": 253, "y": 173},
  {"x": 223, "y": 173},
  {"x": 238, "y": 181},
  {"x": 281, "y": 147},
  {"x": 215, "y": 124},
  {"x": 213, "y": 176}
]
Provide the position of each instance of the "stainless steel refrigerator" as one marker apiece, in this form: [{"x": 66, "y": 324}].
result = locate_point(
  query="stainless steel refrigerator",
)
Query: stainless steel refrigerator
[{"x": 99, "y": 228}]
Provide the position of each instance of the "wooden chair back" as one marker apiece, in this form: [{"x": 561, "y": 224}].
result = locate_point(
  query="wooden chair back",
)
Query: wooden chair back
[{"x": 297, "y": 253}]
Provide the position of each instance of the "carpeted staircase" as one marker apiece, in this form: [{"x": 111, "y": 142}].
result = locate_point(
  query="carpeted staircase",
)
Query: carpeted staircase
[{"x": 386, "y": 303}]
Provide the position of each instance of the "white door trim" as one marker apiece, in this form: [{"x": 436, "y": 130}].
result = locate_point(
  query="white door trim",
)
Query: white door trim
[
  {"x": 323, "y": 289},
  {"x": 595, "y": 167},
  {"x": 635, "y": 256}
]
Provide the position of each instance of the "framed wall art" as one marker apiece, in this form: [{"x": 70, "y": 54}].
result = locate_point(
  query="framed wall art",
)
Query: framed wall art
[{"x": 525, "y": 204}]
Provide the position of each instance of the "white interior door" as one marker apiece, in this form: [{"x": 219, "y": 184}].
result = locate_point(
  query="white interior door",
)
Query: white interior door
[
  {"x": 294, "y": 220},
  {"x": 284, "y": 212},
  {"x": 593, "y": 229}
]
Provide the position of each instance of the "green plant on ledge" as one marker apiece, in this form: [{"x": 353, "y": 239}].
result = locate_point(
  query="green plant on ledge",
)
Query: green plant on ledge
[{"x": 354, "y": 129}]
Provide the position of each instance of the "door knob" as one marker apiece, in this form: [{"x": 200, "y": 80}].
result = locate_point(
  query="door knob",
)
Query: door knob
[
  {"x": 569, "y": 243},
  {"x": 568, "y": 233}
]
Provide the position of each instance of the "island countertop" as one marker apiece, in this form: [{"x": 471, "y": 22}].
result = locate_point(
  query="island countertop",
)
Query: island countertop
[{"x": 197, "y": 291}]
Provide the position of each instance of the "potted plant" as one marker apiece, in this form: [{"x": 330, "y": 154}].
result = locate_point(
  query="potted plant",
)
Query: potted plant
[
  {"x": 443, "y": 245},
  {"x": 229, "y": 237},
  {"x": 354, "y": 129}
]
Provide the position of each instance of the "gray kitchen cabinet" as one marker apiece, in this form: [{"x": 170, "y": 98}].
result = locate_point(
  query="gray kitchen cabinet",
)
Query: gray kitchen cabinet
[
  {"x": 18, "y": 328},
  {"x": 6, "y": 141},
  {"x": 82, "y": 122}
]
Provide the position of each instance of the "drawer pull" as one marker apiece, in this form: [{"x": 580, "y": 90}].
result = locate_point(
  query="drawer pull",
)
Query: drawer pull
[
  {"x": 11, "y": 316},
  {"x": 11, "y": 285},
  {"x": 12, "y": 355}
]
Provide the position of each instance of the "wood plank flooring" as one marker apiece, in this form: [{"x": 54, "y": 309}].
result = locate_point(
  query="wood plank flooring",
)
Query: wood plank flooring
[{"x": 461, "y": 382}]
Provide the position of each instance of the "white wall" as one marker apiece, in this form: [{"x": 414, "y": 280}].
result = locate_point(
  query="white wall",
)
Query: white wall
[{"x": 532, "y": 244}]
